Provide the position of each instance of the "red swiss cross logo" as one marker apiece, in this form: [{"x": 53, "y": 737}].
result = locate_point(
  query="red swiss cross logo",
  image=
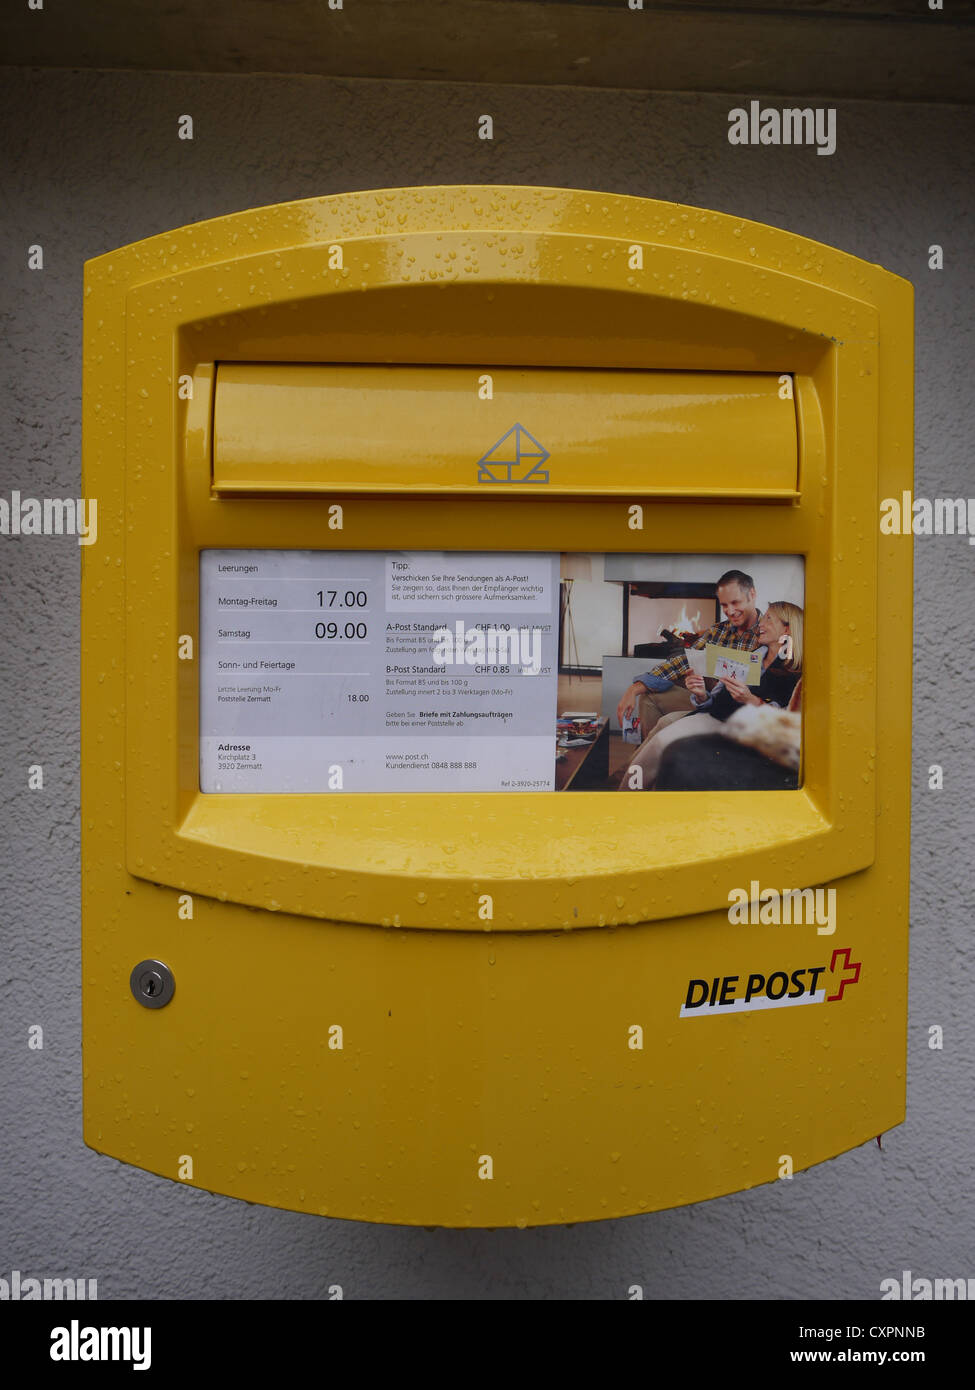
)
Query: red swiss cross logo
[{"x": 851, "y": 970}]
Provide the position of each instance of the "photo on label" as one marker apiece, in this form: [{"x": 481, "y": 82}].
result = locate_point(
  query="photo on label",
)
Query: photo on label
[{"x": 680, "y": 672}]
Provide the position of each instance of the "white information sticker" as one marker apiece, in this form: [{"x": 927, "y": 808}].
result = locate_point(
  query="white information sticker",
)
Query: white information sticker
[{"x": 353, "y": 671}]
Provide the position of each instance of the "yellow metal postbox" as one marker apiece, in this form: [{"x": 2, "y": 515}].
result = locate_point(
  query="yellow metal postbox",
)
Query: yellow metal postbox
[{"x": 393, "y": 908}]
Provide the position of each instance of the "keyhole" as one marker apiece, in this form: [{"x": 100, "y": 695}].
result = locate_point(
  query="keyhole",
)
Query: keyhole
[{"x": 152, "y": 984}]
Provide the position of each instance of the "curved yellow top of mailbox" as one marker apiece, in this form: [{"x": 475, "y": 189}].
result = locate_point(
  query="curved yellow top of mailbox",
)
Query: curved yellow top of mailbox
[{"x": 454, "y": 282}]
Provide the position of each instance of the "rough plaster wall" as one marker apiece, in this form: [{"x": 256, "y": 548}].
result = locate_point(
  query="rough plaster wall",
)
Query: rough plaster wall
[{"x": 92, "y": 162}]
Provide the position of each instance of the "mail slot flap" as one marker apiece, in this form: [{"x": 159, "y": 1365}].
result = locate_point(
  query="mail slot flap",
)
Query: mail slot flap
[{"x": 398, "y": 429}]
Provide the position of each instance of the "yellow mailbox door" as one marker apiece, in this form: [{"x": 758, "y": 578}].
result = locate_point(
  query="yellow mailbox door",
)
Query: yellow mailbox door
[{"x": 489, "y": 816}]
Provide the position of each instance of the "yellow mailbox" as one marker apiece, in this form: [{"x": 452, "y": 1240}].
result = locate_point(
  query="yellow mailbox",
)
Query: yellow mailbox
[{"x": 496, "y": 705}]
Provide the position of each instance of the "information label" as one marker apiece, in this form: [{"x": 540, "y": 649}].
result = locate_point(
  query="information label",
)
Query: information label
[{"x": 351, "y": 671}]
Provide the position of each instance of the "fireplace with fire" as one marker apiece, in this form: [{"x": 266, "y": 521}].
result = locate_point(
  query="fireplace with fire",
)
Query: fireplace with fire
[{"x": 660, "y": 617}]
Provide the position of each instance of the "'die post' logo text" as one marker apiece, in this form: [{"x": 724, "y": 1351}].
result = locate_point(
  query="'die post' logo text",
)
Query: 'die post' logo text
[{"x": 737, "y": 994}]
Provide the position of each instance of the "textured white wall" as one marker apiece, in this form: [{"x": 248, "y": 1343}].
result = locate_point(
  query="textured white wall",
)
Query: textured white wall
[{"x": 92, "y": 162}]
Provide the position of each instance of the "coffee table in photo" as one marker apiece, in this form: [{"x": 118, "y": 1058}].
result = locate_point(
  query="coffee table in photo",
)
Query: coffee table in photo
[{"x": 586, "y": 767}]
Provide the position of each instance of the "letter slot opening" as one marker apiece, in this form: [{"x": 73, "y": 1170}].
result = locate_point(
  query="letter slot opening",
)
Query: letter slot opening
[{"x": 286, "y": 429}]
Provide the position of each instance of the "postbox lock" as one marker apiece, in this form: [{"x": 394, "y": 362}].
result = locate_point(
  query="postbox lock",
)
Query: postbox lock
[{"x": 152, "y": 984}]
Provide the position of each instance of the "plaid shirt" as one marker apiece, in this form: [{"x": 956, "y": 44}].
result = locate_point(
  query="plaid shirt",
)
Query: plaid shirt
[{"x": 675, "y": 668}]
